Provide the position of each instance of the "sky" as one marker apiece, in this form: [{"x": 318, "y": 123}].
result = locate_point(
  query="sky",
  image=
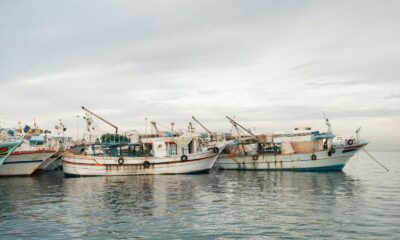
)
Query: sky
[{"x": 274, "y": 65}]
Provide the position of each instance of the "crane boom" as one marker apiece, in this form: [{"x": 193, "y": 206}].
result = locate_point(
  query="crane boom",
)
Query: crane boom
[
  {"x": 102, "y": 119},
  {"x": 233, "y": 121},
  {"x": 201, "y": 125},
  {"x": 154, "y": 124}
]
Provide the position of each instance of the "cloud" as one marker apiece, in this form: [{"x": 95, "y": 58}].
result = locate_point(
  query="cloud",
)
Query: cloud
[{"x": 271, "y": 64}]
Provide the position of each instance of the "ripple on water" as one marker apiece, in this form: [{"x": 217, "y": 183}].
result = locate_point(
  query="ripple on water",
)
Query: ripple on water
[{"x": 361, "y": 202}]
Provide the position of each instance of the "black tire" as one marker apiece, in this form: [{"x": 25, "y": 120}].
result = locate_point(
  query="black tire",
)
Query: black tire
[
  {"x": 313, "y": 157},
  {"x": 329, "y": 153},
  {"x": 216, "y": 150},
  {"x": 146, "y": 164},
  {"x": 121, "y": 160},
  {"x": 333, "y": 150},
  {"x": 350, "y": 142},
  {"x": 184, "y": 158},
  {"x": 255, "y": 157}
]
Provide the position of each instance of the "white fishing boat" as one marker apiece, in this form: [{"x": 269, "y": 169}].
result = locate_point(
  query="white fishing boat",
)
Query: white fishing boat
[
  {"x": 23, "y": 162},
  {"x": 302, "y": 150},
  {"x": 116, "y": 154},
  {"x": 26, "y": 158}
]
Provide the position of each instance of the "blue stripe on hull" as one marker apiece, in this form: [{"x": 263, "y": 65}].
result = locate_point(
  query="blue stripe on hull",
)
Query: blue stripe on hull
[
  {"x": 315, "y": 169},
  {"x": 21, "y": 162}
]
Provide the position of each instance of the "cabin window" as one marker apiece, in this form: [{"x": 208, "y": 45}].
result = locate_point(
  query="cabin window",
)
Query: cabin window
[
  {"x": 148, "y": 149},
  {"x": 172, "y": 149},
  {"x": 190, "y": 147},
  {"x": 185, "y": 150}
]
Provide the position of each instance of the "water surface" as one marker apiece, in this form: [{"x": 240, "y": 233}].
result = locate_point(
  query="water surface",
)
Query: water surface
[{"x": 362, "y": 202}]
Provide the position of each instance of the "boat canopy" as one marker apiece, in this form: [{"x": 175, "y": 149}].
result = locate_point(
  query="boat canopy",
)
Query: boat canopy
[
  {"x": 37, "y": 140},
  {"x": 322, "y": 136}
]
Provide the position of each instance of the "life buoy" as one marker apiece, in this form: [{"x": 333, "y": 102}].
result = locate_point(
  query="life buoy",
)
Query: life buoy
[
  {"x": 350, "y": 142},
  {"x": 255, "y": 157},
  {"x": 121, "y": 160},
  {"x": 216, "y": 150},
  {"x": 314, "y": 157},
  {"x": 146, "y": 164},
  {"x": 184, "y": 158}
]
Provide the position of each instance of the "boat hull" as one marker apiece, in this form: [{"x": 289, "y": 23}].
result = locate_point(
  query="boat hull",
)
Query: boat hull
[
  {"x": 23, "y": 163},
  {"x": 293, "y": 162},
  {"x": 81, "y": 165},
  {"x": 51, "y": 163}
]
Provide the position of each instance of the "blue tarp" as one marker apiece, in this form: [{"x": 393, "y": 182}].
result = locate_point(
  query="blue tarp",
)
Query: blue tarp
[
  {"x": 36, "y": 140},
  {"x": 168, "y": 134},
  {"x": 322, "y": 136}
]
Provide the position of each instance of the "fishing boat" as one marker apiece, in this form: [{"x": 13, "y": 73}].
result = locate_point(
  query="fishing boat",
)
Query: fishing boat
[
  {"x": 28, "y": 155},
  {"x": 301, "y": 150},
  {"x": 118, "y": 154}
]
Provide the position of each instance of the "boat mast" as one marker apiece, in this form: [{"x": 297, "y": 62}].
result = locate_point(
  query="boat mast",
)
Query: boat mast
[
  {"x": 102, "y": 119},
  {"x": 201, "y": 125}
]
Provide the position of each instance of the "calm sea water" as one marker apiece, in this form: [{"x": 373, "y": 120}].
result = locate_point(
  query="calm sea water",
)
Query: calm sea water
[{"x": 362, "y": 202}]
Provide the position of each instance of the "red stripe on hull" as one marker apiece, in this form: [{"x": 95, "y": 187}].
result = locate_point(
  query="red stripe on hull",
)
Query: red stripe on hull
[{"x": 32, "y": 152}]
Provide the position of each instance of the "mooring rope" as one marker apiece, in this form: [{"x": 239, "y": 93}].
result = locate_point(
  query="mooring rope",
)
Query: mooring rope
[{"x": 375, "y": 160}]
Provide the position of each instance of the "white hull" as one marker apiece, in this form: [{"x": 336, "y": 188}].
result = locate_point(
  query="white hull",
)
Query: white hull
[
  {"x": 23, "y": 163},
  {"x": 83, "y": 165},
  {"x": 295, "y": 161}
]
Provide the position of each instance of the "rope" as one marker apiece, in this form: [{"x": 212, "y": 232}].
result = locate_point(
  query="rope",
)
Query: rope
[{"x": 375, "y": 160}]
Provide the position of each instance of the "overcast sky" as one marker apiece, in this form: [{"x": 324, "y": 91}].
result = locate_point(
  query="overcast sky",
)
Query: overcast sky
[{"x": 272, "y": 64}]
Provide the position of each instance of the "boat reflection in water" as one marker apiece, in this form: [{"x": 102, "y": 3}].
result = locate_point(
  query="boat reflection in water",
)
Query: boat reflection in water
[{"x": 260, "y": 202}]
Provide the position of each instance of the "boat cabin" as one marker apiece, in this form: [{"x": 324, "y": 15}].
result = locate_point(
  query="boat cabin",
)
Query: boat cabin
[{"x": 118, "y": 145}]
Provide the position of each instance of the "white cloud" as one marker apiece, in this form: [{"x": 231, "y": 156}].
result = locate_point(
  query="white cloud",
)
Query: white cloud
[{"x": 273, "y": 65}]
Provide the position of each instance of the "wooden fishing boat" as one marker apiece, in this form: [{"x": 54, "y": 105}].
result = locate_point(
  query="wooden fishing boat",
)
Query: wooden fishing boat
[
  {"x": 301, "y": 151},
  {"x": 123, "y": 154},
  {"x": 29, "y": 155},
  {"x": 151, "y": 156},
  {"x": 22, "y": 162}
]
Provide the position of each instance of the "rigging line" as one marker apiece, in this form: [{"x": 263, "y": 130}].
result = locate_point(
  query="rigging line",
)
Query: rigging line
[{"x": 375, "y": 160}]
